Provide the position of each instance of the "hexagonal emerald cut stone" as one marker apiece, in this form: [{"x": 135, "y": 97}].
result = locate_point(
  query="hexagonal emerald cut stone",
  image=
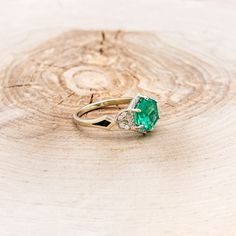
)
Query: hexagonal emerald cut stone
[{"x": 149, "y": 113}]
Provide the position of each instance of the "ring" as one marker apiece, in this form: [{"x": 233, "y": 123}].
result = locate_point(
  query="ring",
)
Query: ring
[{"x": 141, "y": 114}]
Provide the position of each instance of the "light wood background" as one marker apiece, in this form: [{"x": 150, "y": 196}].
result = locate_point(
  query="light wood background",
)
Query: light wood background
[{"x": 56, "y": 179}]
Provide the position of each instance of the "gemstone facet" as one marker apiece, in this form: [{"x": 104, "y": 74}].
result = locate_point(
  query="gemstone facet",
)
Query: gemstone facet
[{"x": 148, "y": 115}]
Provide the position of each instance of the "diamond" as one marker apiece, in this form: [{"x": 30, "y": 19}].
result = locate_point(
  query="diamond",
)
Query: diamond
[
  {"x": 124, "y": 125},
  {"x": 122, "y": 115}
]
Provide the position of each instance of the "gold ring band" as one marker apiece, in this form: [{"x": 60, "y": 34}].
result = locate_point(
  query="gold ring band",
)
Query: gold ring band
[{"x": 100, "y": 121}]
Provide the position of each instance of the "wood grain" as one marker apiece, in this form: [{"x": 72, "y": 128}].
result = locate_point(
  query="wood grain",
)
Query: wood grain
[{"x": 56, "y": 179}]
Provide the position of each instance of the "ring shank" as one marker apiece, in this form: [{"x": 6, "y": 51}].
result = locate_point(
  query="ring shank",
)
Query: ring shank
[{"x": 100, "y": 120}]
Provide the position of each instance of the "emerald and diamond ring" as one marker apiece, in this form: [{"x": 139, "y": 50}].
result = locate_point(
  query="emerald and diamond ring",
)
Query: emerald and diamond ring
[{"x": 141, "y": 114}]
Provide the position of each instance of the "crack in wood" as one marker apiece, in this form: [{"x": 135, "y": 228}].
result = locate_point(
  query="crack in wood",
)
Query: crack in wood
[
  {"x": 68, "y": 96},
  {"x": 19, "y": 85},
  {"x": 103, "y": 37},
  {"x": 101, "y": 50},
  {"x": 91, "y": 98},
  {"x": 117, "y": 34}
]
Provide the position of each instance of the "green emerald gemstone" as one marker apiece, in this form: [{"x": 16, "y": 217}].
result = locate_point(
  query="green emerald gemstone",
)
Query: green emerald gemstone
[{"x": 148, "y": 116}]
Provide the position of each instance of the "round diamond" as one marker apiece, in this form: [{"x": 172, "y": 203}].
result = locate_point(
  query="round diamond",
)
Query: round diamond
[
  {"x": 122, "y": 115},
  {"x": 124, "y": 125}
]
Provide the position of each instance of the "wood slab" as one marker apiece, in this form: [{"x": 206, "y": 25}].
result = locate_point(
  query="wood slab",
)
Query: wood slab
[{"x": 57, "y": 179}]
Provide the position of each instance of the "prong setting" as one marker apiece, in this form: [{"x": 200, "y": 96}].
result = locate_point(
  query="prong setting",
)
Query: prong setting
[
  {"x": 127, "y": 119},
  {"x": 135, "y": 110}
]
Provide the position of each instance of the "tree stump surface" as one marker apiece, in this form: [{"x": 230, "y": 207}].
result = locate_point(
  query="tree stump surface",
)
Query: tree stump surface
[{"x": 57, "y": 179}]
